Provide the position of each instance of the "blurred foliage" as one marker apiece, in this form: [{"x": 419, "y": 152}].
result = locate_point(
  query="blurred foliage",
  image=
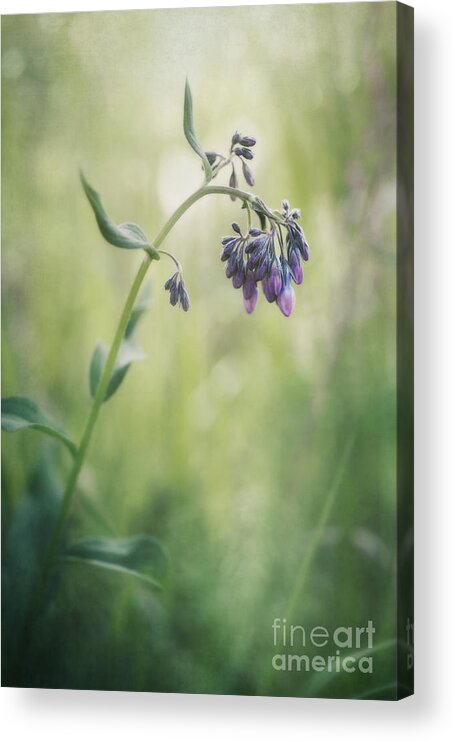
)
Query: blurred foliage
[{"x": 225, "y": 442}]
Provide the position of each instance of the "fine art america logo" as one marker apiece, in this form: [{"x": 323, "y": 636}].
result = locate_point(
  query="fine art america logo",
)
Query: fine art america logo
[{"x": 345, "y": 648}]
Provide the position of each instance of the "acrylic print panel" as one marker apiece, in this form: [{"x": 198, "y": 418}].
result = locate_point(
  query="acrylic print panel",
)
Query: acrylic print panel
[{"x": 202, "y": 489}]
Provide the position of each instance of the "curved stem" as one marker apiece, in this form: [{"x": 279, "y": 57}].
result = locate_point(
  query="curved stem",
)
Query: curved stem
[{"x": 79, "y": 458}]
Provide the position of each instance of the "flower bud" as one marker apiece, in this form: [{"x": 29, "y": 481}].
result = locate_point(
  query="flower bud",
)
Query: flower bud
[
  {"x": 236, "y": 227},
  {"x": 247, "y": 174},
  {"x": 174, "y": 294},
  {"x": 249, "y": 286},
  {"x": 246, "y": 153},
  {"x": 236, "y": 138},
  {"x": 184, "y": 298},
  {"x": 247, "y": 141},
  {"x": 227, "y": 250},
  {"x": 261, "y": 270},
  {"x": 286, "y": 298},
  {"x": 231, "y": 266},
  {"x": 234, "y": 183},
  {"x": 211, "y": 156},
  {"x": 275, "y": 277},
  {"x": 296, "y": 268},
  {"x": 238, "y": 279},
  {"x": 250, "y": 302},
  {"x": 269, "y": 293}
]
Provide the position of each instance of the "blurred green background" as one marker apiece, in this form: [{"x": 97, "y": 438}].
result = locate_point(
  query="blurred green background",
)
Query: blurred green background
[{"x": 227, "y": 441}]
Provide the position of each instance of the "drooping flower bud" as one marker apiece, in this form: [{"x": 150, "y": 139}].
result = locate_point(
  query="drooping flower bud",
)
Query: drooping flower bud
[
  {"x": 250, "y": 301},
  {"x": 236, "y": 228},
  {"x": 177, "y": 291},
  {"x": 244, "y": 152},
  {"x": 247, "y": 141},
  {"x": 231, "y": 266},
  {"x": 286, "y": 298},
  {"x": 211, "y": 156},
  {"x": 269, "y": 293},
  {"x": 184, "y": 298},
  {"x": 238, "y": 279},
  {"x": 233, "y": 182},
  {"x": 247, "y": 174},
  {"x": 275, "y": 277},
  {"x": 227, "y": 251},
  {"x": 249, "y": 286},
  {"x": 236, "y": 138},
  {"x": 296, "y": 268}
]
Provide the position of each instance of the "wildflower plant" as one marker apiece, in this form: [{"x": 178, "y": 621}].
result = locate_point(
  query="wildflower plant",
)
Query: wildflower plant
[{"x": 267, "y": 252}]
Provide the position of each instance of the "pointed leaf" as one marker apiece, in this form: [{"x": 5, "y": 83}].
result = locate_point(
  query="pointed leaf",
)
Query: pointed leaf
[
  {"x": 128, "y": 236},
  {"x": 140, "y": 307},
  {"x": 128, "y": 353},
  {"x": 188, "y": 128},
  {"x": 19, "y": 413},
  {"x": 140, "y": 556}
]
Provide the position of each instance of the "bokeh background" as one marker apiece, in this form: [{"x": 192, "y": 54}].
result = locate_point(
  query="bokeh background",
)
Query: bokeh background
[{"x": 259, "y": 450}]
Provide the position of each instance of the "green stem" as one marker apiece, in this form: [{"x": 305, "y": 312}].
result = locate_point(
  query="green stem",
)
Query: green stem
[{"x": 68, "y": 495}]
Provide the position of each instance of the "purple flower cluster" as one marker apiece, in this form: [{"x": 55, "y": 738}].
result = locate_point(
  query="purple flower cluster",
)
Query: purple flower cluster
[
  {"x": 253, "y": 258},
  {"x": 177, "y": 291}
]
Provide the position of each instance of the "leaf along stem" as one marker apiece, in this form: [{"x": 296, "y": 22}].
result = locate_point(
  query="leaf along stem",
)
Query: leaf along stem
[{"x": 81, "y": 452}]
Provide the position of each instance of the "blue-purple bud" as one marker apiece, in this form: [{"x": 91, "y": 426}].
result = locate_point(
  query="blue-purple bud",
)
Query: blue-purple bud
[
  {"x": 234, "y": 183},
  {"x": 211, "y": 156},
  {"x": 261, "y": 270},
  {"x": 238, "y": 279},
  {"x": 249, "y": 286},
  {"x": 247, "y": 141},
  {"x": 184, "y": 298},
  {"x": 286, "y": 298},
  {"x": 247, "y": 174},
  {"x": 255, "y": 232},
  {"x": 275, "y": 278},
  {"x": 177, "y": 291},
  {"x": 236, "y": 138},
  {"x": 174, "y": 294},
  {"x": 296, "y": 268},
  {"x": 305, "y": 251},
  {"x": 246, "y": 153},
  {"x": 236, "y": 228},
  {"x": 250, "y": 301},
  {"x": 269, "y": 293},
  {"x": 228, "y": 250},
  {"x": 231, "y": 266}
]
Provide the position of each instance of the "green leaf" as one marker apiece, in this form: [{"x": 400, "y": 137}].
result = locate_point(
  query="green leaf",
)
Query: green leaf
[
  {"x": 128, "y": 353},
  {"x": 188, "y": 128},
  {"x": 141, "y": 306},
  {"x": 140, "y": 556},
  {"x": 128, "y": 236},
  {"x": 19, "y": 413}
]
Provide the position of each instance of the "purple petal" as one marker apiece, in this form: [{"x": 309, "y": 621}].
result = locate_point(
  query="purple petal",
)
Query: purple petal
[
  {"x": 269, "y": 293},
  {"x": 250, "y": 304},
  {"x": 249, "y": 287},
  {"x": 296, "y": 268},
  {"x": 275, "y": 278},
  {"x": 286, "y": 300}
]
